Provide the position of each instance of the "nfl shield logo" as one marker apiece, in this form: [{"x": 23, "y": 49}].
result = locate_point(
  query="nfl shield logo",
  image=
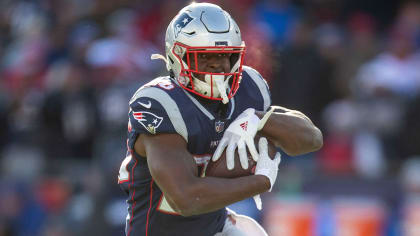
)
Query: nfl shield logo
[{"x": 219, "y": 126}]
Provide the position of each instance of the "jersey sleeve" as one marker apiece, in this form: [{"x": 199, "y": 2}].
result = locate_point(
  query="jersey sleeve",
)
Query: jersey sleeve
[
  {"x": 153, "y": 111},
  {"x": 262, "y": 85}
]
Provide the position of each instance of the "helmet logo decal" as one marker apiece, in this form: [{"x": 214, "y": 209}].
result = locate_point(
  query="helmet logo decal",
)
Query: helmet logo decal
[{"x": 183, "y": 20}]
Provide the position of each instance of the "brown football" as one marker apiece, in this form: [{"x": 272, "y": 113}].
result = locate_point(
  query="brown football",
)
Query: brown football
[{"x": 219, "y": 168}]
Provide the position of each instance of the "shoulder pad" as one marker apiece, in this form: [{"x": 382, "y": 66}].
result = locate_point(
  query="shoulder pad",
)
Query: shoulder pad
[
  {"x": 153, "y": 110},
  {"x": 261, "y": 83}
]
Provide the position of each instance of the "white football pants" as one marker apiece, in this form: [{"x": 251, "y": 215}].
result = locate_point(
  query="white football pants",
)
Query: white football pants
[{"x": 241, "y": 225}]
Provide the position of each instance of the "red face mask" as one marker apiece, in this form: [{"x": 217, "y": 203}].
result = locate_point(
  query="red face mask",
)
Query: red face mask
[{"x": 220, "y": 67}]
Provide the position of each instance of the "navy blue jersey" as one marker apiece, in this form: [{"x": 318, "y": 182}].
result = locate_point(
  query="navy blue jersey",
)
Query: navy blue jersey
[{"x": 162, "y": 106}]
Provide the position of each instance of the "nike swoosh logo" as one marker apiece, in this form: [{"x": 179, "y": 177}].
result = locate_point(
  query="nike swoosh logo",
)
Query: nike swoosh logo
[{"x": 146, "y": 105}]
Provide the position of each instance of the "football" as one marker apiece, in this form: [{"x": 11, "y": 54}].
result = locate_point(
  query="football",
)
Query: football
[{"x": 219, "y": 168}]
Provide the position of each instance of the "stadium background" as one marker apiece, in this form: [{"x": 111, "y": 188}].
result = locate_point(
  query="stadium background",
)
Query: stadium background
[{"x": 69, "y": 67}]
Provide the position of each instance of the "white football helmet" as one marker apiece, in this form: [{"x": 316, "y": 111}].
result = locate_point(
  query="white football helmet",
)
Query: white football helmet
[{"x": 204, "y": 28}]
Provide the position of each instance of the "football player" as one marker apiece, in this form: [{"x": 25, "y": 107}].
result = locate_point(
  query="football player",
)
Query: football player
[{"x": 209, "y": 101}]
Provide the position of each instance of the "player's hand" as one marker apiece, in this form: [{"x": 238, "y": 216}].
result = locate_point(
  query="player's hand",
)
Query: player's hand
[
  {"x": 267, "y": 167},
  {"x": 240, "y": 133}
]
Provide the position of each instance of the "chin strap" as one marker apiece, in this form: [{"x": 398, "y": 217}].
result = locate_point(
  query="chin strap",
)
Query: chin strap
[{"x": 221, "y": 87}]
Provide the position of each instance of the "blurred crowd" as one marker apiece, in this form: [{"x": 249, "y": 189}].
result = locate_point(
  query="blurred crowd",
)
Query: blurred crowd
[{"x": 69, "y": 67}]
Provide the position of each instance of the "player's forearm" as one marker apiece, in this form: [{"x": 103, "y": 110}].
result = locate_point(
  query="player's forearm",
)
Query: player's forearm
[
  {"x": 210, "y": 193},
  {"x": 293, "y": 132}
]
